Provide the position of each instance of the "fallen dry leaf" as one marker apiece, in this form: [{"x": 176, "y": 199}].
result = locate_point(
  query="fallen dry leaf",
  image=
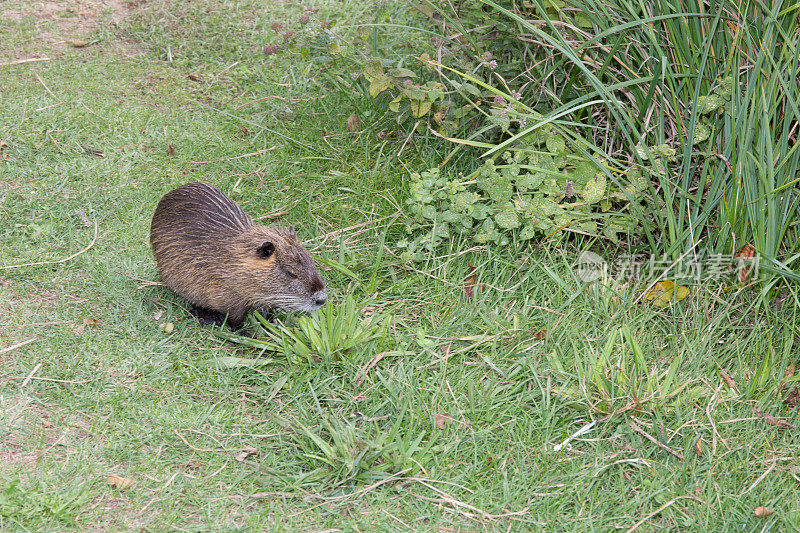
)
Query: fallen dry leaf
[
  {"x": 119, "y": 483},
  {"x": 353, "y": 123},
  {"x": 470, "y": 281},
  {"x": 698, "y": 446},
  {"x": 793, "y": 398},
  {"x": 443, "y": 420},
  {"x": 540, "y": 335},
  {"x": 727, "y": 379},
  {"x": 77, "y": 43},
  {"x": 761, "y": 511},
  {"x": 745, "y": 255},
  {"x": 90, "y": 322},
  {"x": 789, "y": 372},
  {"x": 773, "y": 420},
  {"x": 92, "y": 151},
  {"x": 193, "y": 77},
  {"x": 246, "y": 452},
  {"x": 171, "y": 150}
]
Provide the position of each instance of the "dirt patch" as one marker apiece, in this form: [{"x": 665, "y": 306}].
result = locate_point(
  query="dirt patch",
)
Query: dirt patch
[
  {"x": 17, "y": 306},
  {"x": 59, "y": 24},
  {"x": 33, "y": 431}
]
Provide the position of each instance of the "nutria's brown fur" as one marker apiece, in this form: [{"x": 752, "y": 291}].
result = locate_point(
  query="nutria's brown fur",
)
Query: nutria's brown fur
[{"x": 209, "y": 251}]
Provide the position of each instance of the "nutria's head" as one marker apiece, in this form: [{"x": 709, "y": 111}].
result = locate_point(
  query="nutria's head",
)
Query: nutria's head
[{"x": 271, "y": 269}]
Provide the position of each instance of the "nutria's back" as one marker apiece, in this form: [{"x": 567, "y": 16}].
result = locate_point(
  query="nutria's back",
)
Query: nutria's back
[{"x": 209, "y": 251}]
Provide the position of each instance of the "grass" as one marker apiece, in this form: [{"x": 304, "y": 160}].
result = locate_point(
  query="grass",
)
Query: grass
[{"x": 444, "y": 418}]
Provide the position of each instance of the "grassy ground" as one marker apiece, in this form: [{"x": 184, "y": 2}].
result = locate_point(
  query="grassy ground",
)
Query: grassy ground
[{"x": 445, "y": 418}]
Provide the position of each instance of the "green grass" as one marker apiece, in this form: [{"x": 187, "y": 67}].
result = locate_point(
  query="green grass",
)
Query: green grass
[{"x": 445, "y": 418}]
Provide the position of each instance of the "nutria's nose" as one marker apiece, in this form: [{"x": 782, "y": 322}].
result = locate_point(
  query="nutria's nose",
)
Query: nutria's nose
[{"x": 319, "y": 298}]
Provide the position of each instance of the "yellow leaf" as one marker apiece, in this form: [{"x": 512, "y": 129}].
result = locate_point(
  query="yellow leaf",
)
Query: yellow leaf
[
  {"x": 681, "y": 292},
  {"x": 761, "y": 511},
  {"x": 665, "y": 292},
  {"x": 658, "y": 289},
  {"x": 420, "y": 107},
  {"x": 663, "y": 299},
  {"x": 119, "y": 483},
  {"x": 379, "y": 84}
]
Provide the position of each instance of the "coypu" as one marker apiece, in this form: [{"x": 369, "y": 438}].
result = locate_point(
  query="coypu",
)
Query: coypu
[{"x": 211, "y": 253}]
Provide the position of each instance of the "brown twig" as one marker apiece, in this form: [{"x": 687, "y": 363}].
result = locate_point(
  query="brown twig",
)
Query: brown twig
[
  {"x": 46, "y": 87},
  {"x": 73, "y": 381},
  {"x": 73, "y": 256},
  {"x": 251, "y": 154},
  {"x": 18, "y": 345},
  {"x": 635, "y": 526},
  {"x": 21, "y": 61},
  {"x": 652, "y": 439},
  {"x": 362, "y": 374},
  {"x": 30, "y": 376}
]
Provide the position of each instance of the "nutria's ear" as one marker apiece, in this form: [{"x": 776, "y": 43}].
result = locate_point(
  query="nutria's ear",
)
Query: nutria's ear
[{"x": 266, "y": 250}]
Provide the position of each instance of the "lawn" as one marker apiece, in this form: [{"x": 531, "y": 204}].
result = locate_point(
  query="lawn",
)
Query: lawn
[{"x": 118, "y": 411}]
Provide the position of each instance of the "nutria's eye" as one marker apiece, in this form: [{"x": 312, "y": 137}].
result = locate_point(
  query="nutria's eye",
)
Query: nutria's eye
[
  {"x": 291, "y": 274},
  {"x": 266, "y": 250}
]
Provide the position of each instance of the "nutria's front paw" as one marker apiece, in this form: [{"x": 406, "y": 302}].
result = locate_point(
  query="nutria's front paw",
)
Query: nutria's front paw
[
  {"x": 207, "y": 317},
  {"x": 244, "y": 332},
  {"x": 268, "y": 314}
]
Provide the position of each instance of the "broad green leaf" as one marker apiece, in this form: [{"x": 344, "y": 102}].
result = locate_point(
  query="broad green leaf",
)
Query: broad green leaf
[
  {"x": 595, "y": 189},
  {"x": 701, "y": 132},
  {"x": 500, "y": 189},
  {"x": 373, "y": 69},
  {"x": 420, "y": 108},
  {"x": 709, "y": 104},
  {"x": 379, "y": 84},
  {"x": 401, "y": 72},
  {"x": 556, "y": 145},
  {"x": 506, "y": 217}
]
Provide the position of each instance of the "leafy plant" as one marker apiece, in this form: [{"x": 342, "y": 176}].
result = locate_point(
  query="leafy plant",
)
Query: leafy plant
[
  {"x": 535, "y": 190},
  {"x": 620, "y": 378},
  {"x": 341, "y": 452},
  {"x": 328, "y": 333},
  {"x": 21, "y": 504}
]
